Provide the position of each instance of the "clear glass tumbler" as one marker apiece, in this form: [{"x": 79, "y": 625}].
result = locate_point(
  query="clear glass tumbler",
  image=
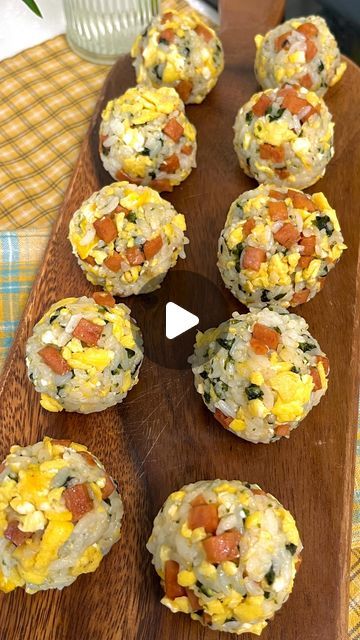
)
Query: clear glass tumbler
[{"x": 101, "y": 30}]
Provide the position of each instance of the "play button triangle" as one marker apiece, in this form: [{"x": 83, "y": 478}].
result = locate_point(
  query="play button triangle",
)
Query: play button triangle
[{"x": 178, "y": 320}]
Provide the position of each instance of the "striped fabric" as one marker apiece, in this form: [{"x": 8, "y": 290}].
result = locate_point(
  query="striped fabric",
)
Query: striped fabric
[{"x": 47, "y": 98}]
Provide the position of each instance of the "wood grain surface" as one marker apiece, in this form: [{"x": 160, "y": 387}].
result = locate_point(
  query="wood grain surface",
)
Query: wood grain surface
[{"x": 162, "y": 436}]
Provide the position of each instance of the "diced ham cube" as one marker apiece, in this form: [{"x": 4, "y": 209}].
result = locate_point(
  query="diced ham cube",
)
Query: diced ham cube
[
  {"x": 282, "y": 41},
  {"x": 88, "y": 332},
  {"x": 248, "y": 226},
  {"x": 204, "y": 515},
  {"x": 204, "y": 32},
  {"x": 104, "y": 299},
  {"x": 184, "y": 89},
  {"x": 134, "y": 256},
  {"x": 269, "y": 152},
  {"x": 223, "y": 547},
  {"x": 106, "y": 229},
  {"x": 13, "y": 533},
  {"x": 152, "y": 247},
  {"x": 173, "y": 129},
  {"x": 308, "y": 244},
  {"x": 266, "y": 335},
  {"x": 308, "y": 29},
  {"x": 172, "y": 588},
  {"x": 301, "y": 201},
  {"x": 300, "y": 297},
  {"x": 170, "y": 164},
  {"x": 261, "y": 105},
  {"x": 78, "y": 501},
  {"x": 53, "y": 358},
  {"x": 252, "y": 257},
  {"x": 278, "y": 210},
  {"x": 287, "y": 235}
]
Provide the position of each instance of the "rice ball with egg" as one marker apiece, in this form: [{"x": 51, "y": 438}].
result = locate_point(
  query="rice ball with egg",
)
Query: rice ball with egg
[
  {"x": 146, "y": 138},
  {"x": 227, "y": 554},
  {"x": 260, "y": 373},
  {"x": 126, "y": 238},
  {"x": 284, "y": 137},
  {"x": 301, "y": 51},
  {"x": 84, "y": 355},
  {"x": 60, "y": 513},
  {"x": 179, "y": 50},
  {"x": 278, "y": 245}
]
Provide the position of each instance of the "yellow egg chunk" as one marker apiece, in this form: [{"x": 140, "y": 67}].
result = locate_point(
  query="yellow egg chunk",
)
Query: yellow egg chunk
[
  {"x": 259, "y": 374},
  {"x": 239, "y": 574},
  {"x": 84, "y": 355},
  {"x": 278, "y": 246},
  {"x": 50, "y": 506}
]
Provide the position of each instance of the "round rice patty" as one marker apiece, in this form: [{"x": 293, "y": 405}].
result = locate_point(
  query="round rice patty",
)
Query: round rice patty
[
  {"x": 227, "y": 554},
  {"x": 179, "y": 50},
  {"x": 278, "y": 246},
  {"x": 260, "y": 373},
  {"x": 60, "y": 514},
  {"x": 126, "y": 238},
  {"x": 84, "y": 356},
  {"x": 301, "y": 50},
  {"x": 146, "y": 138},
  {"x": 284, "y": 137}
]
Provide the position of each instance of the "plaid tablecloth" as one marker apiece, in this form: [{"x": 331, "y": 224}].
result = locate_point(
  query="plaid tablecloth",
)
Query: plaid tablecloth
[{"x": 46, "y": 100}]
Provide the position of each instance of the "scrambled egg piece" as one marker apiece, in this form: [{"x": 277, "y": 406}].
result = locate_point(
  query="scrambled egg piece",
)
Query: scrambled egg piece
[{"x": 274, "y": 133}]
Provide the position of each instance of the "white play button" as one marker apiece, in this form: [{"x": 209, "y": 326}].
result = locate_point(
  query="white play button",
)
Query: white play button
[{"x": 178, "y": 320}]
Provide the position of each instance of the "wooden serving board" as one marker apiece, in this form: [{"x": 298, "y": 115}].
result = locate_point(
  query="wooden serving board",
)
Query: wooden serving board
[{"x": 162, "y": 436}]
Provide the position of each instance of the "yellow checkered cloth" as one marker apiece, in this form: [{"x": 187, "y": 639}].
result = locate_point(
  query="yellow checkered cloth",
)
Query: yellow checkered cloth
[{"x": 47, "y": 101}]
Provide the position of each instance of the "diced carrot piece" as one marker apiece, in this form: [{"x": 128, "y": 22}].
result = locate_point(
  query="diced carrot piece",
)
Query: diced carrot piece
[
  {"x": 248, "y": 226},
  {"x": 281, "y": 41},
  {"x": 306, "y": 81},
  {"x": 194, "y": 600},
  {"x": 278, "y": 210},
  {"x": 134, "y": 256},
  {"x": 287, "y": 235},
  {"x": 300, "y": 297},
  {"x": 78, "y": 501},
  {"x": 168, "y": 15},
  {"x": 161, "y": 185},
  {"x": 186, "y": 149},
  {"x": 287, "y": 89},
  {"x": 204, "y": 515},
  {"x": 114, "y": 262},
  {"x": 120, "y": 209},
  {"x": 261, "y": 105},
  {"x": 316, "y": 378},
  {"x": 104, "y": 299},
  {"x": 269, "y": 152},
  {"x": 204, "y": 32},
  {"x": 308, "y": 243},
  {"x": 152, "y": 247},
  {"x": 90, "y": 260},
  {"x": 283, "y": 174},
  {"x": 325, "y": 363},
  {"x": 304, "y": 261},
  {"x": 222, "y": 418},
  {"x": 53, "y": 358},
  {"x": 282, "y": 430},
  {"x": 198, "y": 500},
  {"x": 172, "y": 588},
  {"x": 170, "y": 164},
  {"x": 266, "y": 335},
  {"x": 13, "y": 533},
  {"x": 184, "y": 89},
  {"x": 252, "y": 257},
  {"x": 122, "y": 176},
  {"x": 88, "y": 457},
  {"x": 88, "y": 332},
  {"x": 61, "y": 443},
  {"x": 308, "y": 29},
  {"x": 311, "y": 50},
  {"x": 173, "y": 129},
  {"x": 106, "y": 229},
  {"x": 310, "y": 113},
  {"x": 277, "y": 195},
  {"x": 258, "y": 347},
  {"x": 300, "y": 200},
  {"x": 167, "y": 34},
  {"x": 223, "y": 547},
  {"x": 108, "y": 488},
  {"x": 292, "y": 102}
]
